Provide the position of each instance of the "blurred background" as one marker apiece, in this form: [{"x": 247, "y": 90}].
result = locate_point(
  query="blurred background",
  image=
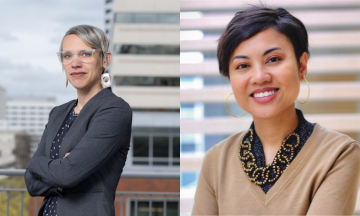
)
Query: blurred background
[
  {"x": 333, "y": 75},
  {"x": 144, "y": 40}
]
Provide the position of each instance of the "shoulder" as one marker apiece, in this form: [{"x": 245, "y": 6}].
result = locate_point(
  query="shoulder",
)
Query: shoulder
[
  {"x": 226, "y": 150},
  {"x": 329, "y": 139},
  {"x": 60, "y": 109},
  {"x": 331, "y": 147},
  {"x": 110, "y": 100},
  {"x": 228, "y": 144}
]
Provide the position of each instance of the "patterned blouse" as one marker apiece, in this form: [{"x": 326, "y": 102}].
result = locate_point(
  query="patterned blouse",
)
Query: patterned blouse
[
  {"x": 304, "y": 129},
  {"x": 51, "y": 204}
]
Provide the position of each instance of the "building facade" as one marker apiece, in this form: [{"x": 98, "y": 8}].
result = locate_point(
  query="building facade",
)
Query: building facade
[{"x": 144, "y": 41}]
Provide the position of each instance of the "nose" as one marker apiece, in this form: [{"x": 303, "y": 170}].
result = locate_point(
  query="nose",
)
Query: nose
[
  {"x": 260, "y": 75},
  {"x": 76, "y": 61}
]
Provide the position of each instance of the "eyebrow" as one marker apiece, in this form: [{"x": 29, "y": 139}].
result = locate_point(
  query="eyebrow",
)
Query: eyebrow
[{"x": 265, "y": 53}]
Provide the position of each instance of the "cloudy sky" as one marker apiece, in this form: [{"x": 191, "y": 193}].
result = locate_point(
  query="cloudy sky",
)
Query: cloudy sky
[{"x": 30, "y": 36}]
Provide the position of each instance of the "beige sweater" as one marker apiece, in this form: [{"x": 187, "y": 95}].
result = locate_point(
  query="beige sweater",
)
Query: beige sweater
[{"x": 321, "y": 180}]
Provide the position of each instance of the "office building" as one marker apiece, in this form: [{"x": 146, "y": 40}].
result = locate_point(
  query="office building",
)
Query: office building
[{"x": 144, "y": 40}]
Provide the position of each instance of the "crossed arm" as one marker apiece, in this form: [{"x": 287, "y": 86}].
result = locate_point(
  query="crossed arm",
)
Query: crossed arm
[
  {"x": 34, "y": 184},
  {"x": 108, "y": 132}
]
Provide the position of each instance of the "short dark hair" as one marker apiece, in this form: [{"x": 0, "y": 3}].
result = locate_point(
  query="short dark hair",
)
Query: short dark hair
[{"x": 253, "y": 20}]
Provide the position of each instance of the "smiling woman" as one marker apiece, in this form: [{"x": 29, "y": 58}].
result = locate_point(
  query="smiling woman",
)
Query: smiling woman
[
  {"x": 282, "y": 165},
  {"x": 79, "y": 160}
]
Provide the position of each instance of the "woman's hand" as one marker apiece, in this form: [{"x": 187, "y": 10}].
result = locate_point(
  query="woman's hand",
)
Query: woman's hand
[{"x": 66, "y": 155}]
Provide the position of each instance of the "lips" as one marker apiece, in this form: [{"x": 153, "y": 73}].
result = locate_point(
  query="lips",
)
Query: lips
[
  {"x": 77, "y": 74},
  {"x": 264, "y": 91},
  {"x": 264, "y": 95}
]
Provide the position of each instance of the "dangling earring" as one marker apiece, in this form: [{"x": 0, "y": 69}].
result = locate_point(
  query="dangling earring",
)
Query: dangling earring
[
  {"x": 308, "y": 92},
  {"x": 228, "y": 110},
  {"x": 67, "y": 81},
  {"x": 106, "y": 79}
]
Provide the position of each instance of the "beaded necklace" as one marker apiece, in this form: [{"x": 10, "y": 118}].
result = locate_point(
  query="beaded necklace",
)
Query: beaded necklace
[{"x": 261, "y": 175}]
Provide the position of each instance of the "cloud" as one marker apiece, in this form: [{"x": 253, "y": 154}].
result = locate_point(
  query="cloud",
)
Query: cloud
[
  {"x": 25, "y": 80},
  {"x": 7, "y": 37}
]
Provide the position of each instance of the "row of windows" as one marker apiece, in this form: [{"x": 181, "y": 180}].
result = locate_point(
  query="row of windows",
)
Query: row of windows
[
  {"x": 28, "y": 113},
  {"x": 24, "y": 119},
  {"x": 147, "y": 49},
  {"x": 26, "y": 124},
  {"x": 157, "y": 207},
  {"x": 27, "y": 107},
  {"x": 146, "y": 81},
  {"x": 156, "y": 150},
  {"x": 158, "y": 18}
]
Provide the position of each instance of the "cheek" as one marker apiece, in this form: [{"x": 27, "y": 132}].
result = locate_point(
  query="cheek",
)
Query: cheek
[{"x": 239, "y": 89}]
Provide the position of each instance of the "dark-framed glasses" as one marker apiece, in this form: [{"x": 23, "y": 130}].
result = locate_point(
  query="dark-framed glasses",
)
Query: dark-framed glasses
[{"x": 84, "y": 55}]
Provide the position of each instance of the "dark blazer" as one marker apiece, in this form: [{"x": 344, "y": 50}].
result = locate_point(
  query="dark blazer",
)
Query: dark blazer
[{"x": 98, "y": 142}]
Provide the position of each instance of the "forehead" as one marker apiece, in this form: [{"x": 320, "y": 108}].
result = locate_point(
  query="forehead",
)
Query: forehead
[
  {"x": 264, "y": 40},
  {"x": 73, "y": 42}
]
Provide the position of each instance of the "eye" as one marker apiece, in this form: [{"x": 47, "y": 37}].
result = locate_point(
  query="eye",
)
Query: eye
[
  {"x": 86, "y": 54},
  {"x": 242, "y": 66},
  {"x": 67, "y": 55},
  {"x": 274, "y": 59}
]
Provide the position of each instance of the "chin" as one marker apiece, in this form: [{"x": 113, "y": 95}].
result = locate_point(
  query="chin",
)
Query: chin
[{"x": 265, "y": 112}]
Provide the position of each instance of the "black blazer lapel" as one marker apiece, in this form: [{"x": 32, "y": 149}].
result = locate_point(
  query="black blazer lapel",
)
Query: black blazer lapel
[
  {"x": 55, "y": 122},
  {"x": 80, "y": 125}
]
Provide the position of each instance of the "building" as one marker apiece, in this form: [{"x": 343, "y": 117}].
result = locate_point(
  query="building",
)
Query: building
[
  {"x": 3, "y": 122},
  {"x": 144, "y": 40},
  {"x": 14, "y": 149},
  {"x": 29, "y": 114},
  {"x": 333, "y": 75}
]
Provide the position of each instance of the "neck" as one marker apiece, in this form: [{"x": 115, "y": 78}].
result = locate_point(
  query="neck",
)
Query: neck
[
  {"x": 84, "y": 95},
  {"x": 273, "y": 131}
]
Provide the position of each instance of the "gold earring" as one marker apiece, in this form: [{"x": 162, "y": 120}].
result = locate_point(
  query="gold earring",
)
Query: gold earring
[
  {"x": 308, "y": 92},
  {"x": 67, "y": 81},
  {"x": 228, "y": 110}
]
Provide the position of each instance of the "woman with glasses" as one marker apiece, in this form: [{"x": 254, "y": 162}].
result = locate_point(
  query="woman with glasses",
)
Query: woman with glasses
[
  {"x": 283, "y": 164},
  {"x": 83, "y": 149}
]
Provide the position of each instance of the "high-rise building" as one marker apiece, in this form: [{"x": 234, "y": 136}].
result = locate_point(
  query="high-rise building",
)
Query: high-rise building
[
  {"x": 29, "y": 114},
  {"x": 144, "y": 41},
  {"x": 3, "y": 122},
  {"x": 145, "y": 69}
]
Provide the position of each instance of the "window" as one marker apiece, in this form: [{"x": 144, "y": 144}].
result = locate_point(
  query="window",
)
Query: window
[
  {"x": 176, "y": 151},
  {"x": 158, "y": 18},
  {"x": 141, "y": 150},
  {"x": 156, "y": 149},
  {"x": 187, "y": 179},
  {"x": 108, "y": 11},
  {"x": 107, "y": 21},
  {"x": 107, "y": 31},
  {"x": 146, "y": 81},
  {"x": 147, "y": 49},
  {"x": 142, "y": 208}
]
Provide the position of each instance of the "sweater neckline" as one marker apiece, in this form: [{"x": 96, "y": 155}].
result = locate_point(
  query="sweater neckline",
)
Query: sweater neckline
[{"x": 289, "y": 172}]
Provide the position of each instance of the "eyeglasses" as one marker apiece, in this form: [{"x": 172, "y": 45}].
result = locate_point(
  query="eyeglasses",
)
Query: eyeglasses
[{"x": 84, "y": 55}]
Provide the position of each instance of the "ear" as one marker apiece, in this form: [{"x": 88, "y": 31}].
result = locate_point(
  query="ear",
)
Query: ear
[
  {"x": 303, "y": 65},
  {"x": 108, "y": 58}
]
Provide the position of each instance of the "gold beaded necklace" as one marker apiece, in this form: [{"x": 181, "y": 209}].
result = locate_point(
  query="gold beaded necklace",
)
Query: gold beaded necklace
[{"x": 261, "y": 175}]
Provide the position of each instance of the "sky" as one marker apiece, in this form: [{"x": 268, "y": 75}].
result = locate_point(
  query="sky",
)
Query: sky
[{"x": 30, "y": 37}]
